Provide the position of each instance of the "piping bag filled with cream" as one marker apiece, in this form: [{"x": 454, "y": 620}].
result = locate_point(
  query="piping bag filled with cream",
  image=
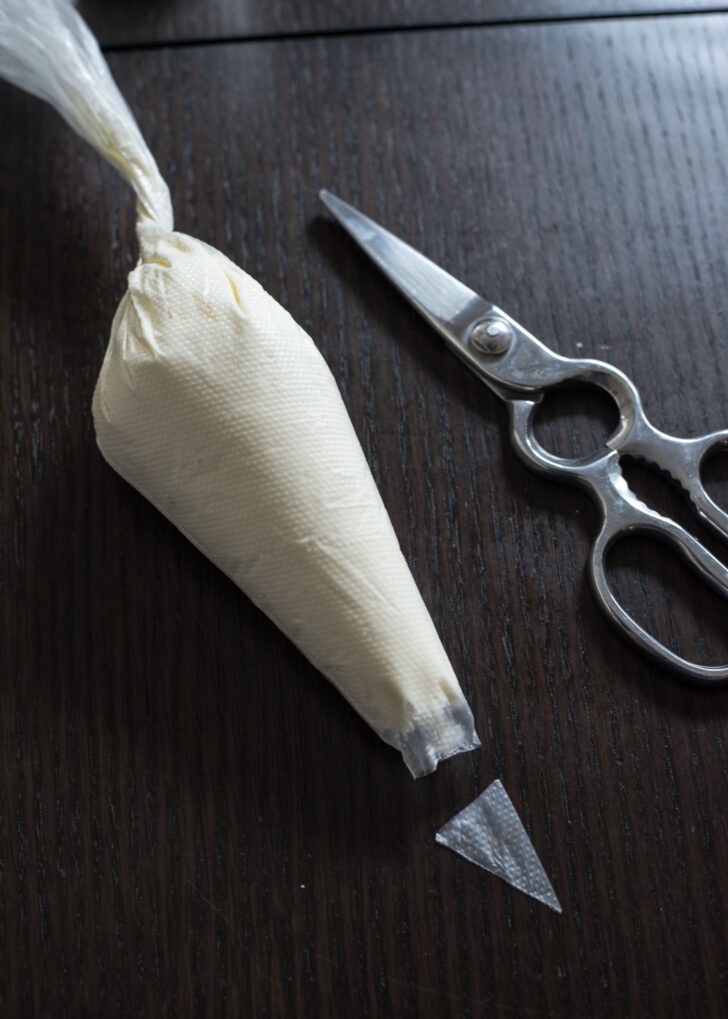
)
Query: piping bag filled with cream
[{"x": 215, "y": 405}]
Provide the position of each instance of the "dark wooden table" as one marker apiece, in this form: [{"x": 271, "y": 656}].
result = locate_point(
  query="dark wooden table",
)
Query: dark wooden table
[{"x": 192, "y": 820}]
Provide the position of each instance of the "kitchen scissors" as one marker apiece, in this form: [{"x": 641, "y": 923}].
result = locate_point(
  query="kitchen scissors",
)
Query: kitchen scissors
[{"x": 520, "y": 369}]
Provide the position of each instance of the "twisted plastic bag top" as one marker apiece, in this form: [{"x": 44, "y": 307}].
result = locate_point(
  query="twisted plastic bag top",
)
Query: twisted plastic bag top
[{"x": 47, "y": 49}]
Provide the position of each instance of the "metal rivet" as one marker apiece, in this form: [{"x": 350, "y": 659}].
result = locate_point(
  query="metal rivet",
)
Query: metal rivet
[{"x": 491, "y": 335}]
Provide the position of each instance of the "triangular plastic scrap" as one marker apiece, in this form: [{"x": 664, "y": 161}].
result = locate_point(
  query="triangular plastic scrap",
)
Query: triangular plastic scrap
[{"x": 489, "y": 832}]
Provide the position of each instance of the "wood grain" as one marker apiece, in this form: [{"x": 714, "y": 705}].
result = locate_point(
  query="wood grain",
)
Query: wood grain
[
  {"x": 137, "y": 22},
  {"x": 192, "y": 821}
]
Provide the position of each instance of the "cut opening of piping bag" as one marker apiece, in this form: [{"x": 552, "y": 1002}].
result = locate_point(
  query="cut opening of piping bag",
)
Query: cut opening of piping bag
[
  {"x": 489, "y": 833},
  {"x": 226, "y": 417}
]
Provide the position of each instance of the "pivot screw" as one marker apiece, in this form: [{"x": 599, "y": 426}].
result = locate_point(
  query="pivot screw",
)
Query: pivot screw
[{"x": 491, "y": 335}]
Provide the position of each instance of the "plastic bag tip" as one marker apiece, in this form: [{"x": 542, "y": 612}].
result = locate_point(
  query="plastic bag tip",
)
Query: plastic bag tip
[{"x": 436, "y": 738}]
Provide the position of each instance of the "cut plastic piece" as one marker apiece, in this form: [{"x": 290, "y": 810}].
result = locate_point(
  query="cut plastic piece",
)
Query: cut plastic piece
[{"x": 489, "y": 833}]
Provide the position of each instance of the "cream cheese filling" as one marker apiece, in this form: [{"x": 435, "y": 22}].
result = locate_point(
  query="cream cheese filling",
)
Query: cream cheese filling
[{"x": 219, "y": 408}]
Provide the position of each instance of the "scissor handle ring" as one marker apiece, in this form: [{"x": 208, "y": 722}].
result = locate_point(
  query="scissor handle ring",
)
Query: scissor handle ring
[
  {"x": 634, "y": 437},
  {"x": 701, "y": 675},
  {"x": 576, "y": 470},
  {"x": 622, "y": 514}
]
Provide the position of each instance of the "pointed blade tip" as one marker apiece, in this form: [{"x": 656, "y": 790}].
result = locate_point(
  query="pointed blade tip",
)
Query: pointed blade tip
[{"x": 333, "y": 204}]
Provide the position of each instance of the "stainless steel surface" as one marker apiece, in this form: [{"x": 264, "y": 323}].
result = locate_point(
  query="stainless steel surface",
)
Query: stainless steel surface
[
  {"x": 521, "y": 373},
  {"x": 491, "y": 336}
]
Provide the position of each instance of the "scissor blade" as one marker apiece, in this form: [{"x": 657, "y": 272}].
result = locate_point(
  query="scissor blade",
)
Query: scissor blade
[{"x": 444, "y": 301}]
